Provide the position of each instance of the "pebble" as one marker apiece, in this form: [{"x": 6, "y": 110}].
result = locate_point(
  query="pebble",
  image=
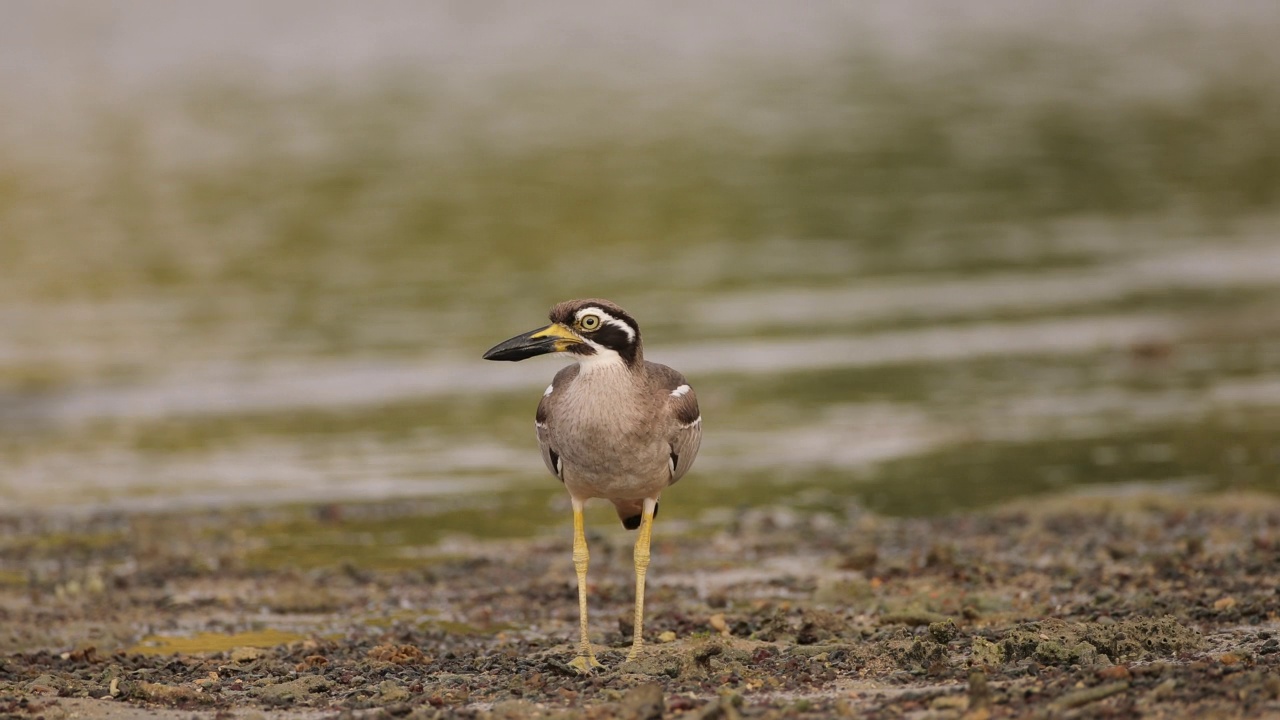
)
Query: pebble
[{"x": 718, "y": 624}]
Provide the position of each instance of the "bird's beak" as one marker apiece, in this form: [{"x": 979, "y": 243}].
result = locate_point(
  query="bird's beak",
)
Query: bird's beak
[{"x": 552, "y": 338}]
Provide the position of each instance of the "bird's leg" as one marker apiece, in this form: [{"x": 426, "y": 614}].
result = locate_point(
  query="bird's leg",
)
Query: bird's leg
[
  {"x": 586, "y": 661},
  {"x": 642, "y": 565}
]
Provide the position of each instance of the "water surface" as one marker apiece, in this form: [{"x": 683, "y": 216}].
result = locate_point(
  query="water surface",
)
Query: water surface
[{"x": 928, "y": 273}]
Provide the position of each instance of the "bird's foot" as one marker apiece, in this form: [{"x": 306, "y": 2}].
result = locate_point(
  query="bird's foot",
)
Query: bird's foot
[
  {"x": 635, "y": 651},
  {"x": 585, "y": 664}
]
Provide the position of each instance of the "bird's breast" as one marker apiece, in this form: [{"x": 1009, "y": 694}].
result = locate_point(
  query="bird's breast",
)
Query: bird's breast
[{"x": 607, "y": 436}]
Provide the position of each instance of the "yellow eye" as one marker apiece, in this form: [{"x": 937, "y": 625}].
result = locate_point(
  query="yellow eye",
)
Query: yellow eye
[{"x": 589, "y": 322}]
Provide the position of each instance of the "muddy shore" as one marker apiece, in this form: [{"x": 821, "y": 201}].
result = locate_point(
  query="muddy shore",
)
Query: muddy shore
[{"x": 1133, "y": 607}]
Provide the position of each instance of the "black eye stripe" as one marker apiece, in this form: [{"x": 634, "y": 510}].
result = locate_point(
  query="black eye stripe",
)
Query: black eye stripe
[
  {"x": 604, "y": 320},
  {"x": 612, "y": 328},
  {"x": 616, "y": 339}
]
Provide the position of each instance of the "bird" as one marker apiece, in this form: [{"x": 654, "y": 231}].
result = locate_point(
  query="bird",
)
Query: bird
[{"x": 613, "y": 426}]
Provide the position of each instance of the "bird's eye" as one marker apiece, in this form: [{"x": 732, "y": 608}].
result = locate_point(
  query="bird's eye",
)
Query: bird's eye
[{"x": 589, "y": 322}]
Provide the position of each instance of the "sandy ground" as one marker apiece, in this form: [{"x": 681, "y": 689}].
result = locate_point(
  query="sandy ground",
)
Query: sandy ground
[{"x": 1136, "y": 607}]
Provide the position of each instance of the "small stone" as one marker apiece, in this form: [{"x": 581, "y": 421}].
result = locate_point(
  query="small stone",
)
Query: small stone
[
  {"x": 246, "y": 654},
  {"x": 1084, "y": 653},
  {"x": 1225, "y": 603},
  {"x": 175, "y": 694},
  {"x": 949, "y": 702},
  {"x": 1161, "y": 691},
  {"x": 1114, "y": 672},
  {"x": 667, "y": 637},
  {"x": 1272, "y": 687},
  {"x": 987, "y": 653},
  {"x": 722, "y": 708},
  {"x": 43, "y": 685},
  {"x": 914, "y": 618},
  {"x": 944, "y": 631},
  {"x": 287, "y": 693},
  {"x": 643, "y": 703},
  {"x": 399, "y": 655},
  {"x": 390, "y": 692},
  {"x": 718, "y": 624},
  {"x": 511, "y": 710},
  {"x": 979, "y": 694},
  {"x": 653, "y": 665}
]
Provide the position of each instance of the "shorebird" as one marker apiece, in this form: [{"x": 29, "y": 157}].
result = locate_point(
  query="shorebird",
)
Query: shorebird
[{"x": 612, "y": 425}]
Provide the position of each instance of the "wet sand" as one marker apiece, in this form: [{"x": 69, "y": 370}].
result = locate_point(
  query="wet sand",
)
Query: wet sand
[{"x": 1084, "y": 607}]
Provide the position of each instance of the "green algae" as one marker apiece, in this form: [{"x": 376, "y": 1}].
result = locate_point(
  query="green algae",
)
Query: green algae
[
  {"x": 210, "y": 642},
  {"x": 1054, "y": 642},
  {"x": 986, "y": 653},
  {"x": 402, "y": 538},
  {"x": 426, "y": 620},
  {"x": 1236, "y": 451},
  {"x": 1215, "y": 451}
]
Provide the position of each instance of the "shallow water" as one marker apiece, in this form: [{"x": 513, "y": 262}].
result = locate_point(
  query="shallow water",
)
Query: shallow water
[
  {"x": 942, "y": 415},
  {"x": 933, "y": 289}
]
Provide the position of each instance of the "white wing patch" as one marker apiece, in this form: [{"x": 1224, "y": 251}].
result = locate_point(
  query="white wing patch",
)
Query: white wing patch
[
  {"x": 550, "y": 389},
  {"x": 696, "y": 421},
  {"x": 680, "y": 391}
]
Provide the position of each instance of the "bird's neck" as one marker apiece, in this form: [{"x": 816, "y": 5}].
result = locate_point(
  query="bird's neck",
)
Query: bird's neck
[
  {"x": 605, "y": 397},
  {"x": 605, "y": 360}
]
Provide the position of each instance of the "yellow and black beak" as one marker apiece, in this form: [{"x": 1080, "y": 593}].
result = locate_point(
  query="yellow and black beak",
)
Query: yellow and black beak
[{"x": 552, "y": 338}]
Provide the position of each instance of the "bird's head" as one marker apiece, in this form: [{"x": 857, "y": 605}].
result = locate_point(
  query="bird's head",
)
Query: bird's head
[{"x": 594, "y": 332}]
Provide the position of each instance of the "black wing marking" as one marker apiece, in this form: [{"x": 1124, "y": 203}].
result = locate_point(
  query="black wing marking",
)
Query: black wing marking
[
  {"x": 686, "y": 420},
  {"x": 551, "y": 456}
]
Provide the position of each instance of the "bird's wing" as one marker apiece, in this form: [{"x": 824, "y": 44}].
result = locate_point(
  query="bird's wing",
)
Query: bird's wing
[
  {"x": 550, "y": 455},
  {"x": 685, "y": 420},
  {"x": 685, "y": 442}
]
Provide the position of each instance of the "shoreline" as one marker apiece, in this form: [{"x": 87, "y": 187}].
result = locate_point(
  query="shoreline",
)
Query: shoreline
[{"x": 1053, "y": 607}]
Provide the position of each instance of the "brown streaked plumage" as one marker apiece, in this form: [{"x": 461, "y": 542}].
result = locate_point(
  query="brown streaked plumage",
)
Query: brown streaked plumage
[{"x": 612, "y": 426}]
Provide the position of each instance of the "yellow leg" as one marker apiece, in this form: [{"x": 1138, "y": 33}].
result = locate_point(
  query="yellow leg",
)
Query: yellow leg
[
  {"x": 642, "y": 565},
  {"x": 586, "y": 661}
]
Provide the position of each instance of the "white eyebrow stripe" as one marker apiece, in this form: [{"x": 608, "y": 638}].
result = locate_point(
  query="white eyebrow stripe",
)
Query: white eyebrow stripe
[
  {"x": 680, "y": 391},
  {"x": 631, "y": 334},
  {"x": 550, "y": 389},
  {"x": 606, "y": 318}
]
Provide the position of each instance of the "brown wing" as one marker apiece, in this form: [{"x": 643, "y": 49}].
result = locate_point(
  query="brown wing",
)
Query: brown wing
[
  {"x": 684, "y": 417},
  {"x": 544, "y": 416}
]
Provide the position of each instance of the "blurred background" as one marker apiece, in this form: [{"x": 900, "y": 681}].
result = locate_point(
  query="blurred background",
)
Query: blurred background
[{"x": 923, "y": 256}]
